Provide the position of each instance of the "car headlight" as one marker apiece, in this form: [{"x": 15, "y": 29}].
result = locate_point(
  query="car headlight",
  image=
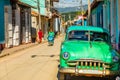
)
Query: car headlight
[
  {"x": 66, "y": 55},
  {"x": 115, "y": 58}
]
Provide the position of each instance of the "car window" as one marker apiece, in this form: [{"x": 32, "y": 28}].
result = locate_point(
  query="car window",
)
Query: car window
[
  {"x": 83, "y": 35},
  {"x": 78, "y": 35},
  {"x": 97, "y": 36}
]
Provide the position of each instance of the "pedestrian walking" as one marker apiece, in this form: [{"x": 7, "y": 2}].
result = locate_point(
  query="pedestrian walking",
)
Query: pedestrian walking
[
  {"x": 40, "y": 35},
  {"x": 51, "y": 33},
  {"x": 51, "y": 36}
]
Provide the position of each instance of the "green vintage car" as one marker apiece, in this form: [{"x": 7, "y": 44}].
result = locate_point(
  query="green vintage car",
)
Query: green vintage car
[{"x": 87, "y": 51}]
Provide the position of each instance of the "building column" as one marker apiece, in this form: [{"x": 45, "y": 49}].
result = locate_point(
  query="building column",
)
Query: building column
[
  {"x": 29, "y": 24},
  {"x": 108, "y": 15},
  {"x": 104, "y": 16},
  {"x": 8, "y": 27},
  {"x": 112, "y": 21},
  {"x": 46, "y": 29},
  {"x": 56, "y": 25},
  {"x": 117, "y": 24},
  {"x": 16, "y": 32},
  {"x": 27, "y": 28}
]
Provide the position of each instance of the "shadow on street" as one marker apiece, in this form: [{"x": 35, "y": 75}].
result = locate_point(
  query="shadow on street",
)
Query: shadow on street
[{"x": 33, "y": 56}]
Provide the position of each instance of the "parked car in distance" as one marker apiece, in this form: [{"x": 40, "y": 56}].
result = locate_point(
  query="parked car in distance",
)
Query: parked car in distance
[{"x": 87, "y": 51}]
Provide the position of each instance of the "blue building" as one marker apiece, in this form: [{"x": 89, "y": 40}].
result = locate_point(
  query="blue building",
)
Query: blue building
[
  {"x": 105, "y": 13},
  {"x": 3, "y": 5},
  {"x": 2, "y": 38},
  {"x": 15, "y": 21}
]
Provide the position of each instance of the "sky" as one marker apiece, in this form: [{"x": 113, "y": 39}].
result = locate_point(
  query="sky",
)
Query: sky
[{"x": 70, "y": 3}]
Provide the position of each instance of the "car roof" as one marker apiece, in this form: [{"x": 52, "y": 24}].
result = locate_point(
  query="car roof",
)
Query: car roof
[{"x": 87, "y": 28}]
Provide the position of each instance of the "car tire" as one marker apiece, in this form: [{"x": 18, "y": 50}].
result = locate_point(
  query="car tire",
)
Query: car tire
[
  {"x": 117, "y": 78},
  {"x": 64, "y": 76},
  {"x": 113, "y": 78}
]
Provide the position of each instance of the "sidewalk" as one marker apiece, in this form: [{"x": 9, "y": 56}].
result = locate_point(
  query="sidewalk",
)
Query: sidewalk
[{"x": 13, "y": 50}]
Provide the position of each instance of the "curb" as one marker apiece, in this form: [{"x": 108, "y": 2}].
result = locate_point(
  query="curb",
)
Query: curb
[{"x": 3, "y": 54}]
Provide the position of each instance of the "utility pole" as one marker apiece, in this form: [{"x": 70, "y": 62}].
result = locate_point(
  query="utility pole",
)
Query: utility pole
[
  {"x": 64, "y": 17},
  {"x": 82, "y": 12},
  {"x": 39, "y": 15},
  {"x": 89, "y": 12}
]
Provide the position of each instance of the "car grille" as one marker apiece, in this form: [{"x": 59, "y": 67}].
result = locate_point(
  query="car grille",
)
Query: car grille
[{"x": 88, "y": 64}]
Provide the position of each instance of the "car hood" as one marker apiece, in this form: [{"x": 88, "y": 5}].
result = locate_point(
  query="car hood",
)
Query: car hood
[{"x": 87, "y": 50}]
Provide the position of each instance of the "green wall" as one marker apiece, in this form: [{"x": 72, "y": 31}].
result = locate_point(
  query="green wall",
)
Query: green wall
[
  {"x": 29, "y": 2},
  {"x": 34, "y": 4}
]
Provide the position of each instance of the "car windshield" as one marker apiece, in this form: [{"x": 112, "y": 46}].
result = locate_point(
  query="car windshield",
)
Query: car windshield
[{"x": 84, "y": 35}]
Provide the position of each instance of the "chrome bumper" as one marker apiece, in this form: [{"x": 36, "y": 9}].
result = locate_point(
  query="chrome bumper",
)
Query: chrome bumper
[{"x": 87, "y": 72}]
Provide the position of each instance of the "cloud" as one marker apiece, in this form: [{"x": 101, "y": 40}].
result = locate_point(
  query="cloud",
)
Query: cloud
[
  {"x": 70, "y": 3},
  {"x": 62, "y": 5}
]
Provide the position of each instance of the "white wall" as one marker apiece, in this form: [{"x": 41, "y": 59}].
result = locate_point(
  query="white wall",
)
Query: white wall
[
  {"x": 8, "y": 26},
  {"x": 34, "y": 21},
  {"x": 16, "y": 29}
]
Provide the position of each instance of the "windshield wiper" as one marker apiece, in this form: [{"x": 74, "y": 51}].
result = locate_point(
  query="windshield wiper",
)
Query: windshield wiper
[
  {"x": 89, "y": 39},
  {"x": 90, "y": 44}
]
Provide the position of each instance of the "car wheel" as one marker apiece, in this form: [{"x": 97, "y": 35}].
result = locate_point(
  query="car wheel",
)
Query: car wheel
[
  {"x": 64, "y": 76},
  {"x": 117, "y": 78},
  {"x": 114, "y": 78}
]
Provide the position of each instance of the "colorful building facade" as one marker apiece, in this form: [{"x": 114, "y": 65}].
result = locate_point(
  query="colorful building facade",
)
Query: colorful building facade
[
  {"x": 15, "y": 23},
  {"x": 2, "y": 38},
  {"x": 18, "y": 17},
  {"x": 3, "y": 5},
  {"x": 105, "y": 13}
]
